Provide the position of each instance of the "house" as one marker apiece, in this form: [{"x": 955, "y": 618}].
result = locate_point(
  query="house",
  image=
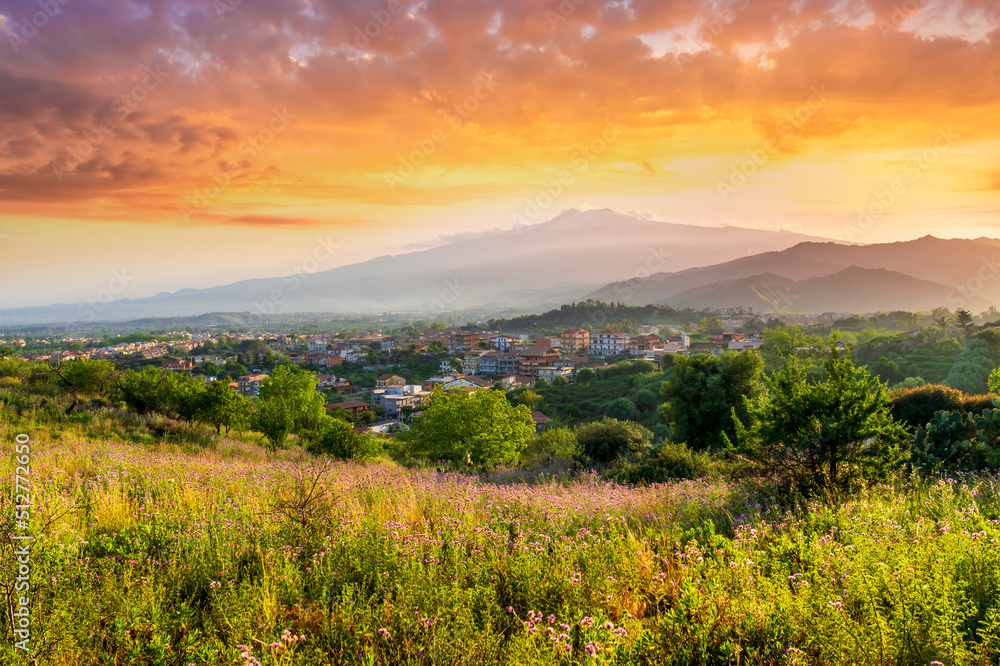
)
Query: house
[
  {"x": 539, "y": 420},
  {"x": 503, "y": 342},
  {"x": 327, "y": 381},
  {"x": 466, "y": 382},
  {"x": 397, "y": 398},
  {"x": 533, "y": 358},
  {"x": 575, "y": 340},
  {"x": 178, "y": 365},
  {"x": 382, "y": 381},
  {"x": 352, "y": 406},
  {"x": 644, "y": 345},
  {"x": 609, "y": 343},
  {"x": 250, "y": 384},
  {"x": 513, "y": 381},
  {"x": 741, "y": 345},
  {"x": 464, "y": 342},
  {"x": 550, "y": 372},
  {"x": 487, "y": 363}
]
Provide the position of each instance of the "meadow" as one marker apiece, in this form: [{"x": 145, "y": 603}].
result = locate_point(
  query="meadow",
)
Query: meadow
[{"x": 232, "y": 554}]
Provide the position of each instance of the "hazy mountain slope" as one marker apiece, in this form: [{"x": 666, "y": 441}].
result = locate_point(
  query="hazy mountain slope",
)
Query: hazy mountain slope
[
  {"x": 553, "y": 262},
  {"x": 965, "y": 267}
]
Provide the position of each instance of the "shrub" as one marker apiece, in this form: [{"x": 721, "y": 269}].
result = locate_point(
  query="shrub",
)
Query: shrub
[
  {"x": 338, "y": 439},
  {"x": 609, "y": 439},
  {"x": 915, "y": 407},
  {"x": 670, "y": 461},
  {"x": 555, "y": 443},
  {"x": 622, "y": 409},
  {"x": 976, "y": 404}
]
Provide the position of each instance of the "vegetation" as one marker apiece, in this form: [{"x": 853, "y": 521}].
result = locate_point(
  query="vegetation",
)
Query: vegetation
[
  {"x": 781, "y": 507},
  {"x": 477, "y": 427}
]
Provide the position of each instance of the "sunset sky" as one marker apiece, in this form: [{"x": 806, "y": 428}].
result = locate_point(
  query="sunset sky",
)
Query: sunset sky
[{"x": 198, "y": 143}]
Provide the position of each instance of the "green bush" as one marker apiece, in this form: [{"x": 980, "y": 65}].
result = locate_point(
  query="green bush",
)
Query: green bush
[
  {"x": 338, "y": 439},
  {"x": 609, "y": 439},
  {"x": 670, "y": 461},
  {"x": 555, "y": 443},
  {"x": 915, "y": 407}
]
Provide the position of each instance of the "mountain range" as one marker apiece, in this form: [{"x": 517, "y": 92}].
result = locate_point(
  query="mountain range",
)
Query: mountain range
[
  {"x": 915, "y": 275},
  {"x": 605, "y": 255},
  {"x": 529, "y": 267}
]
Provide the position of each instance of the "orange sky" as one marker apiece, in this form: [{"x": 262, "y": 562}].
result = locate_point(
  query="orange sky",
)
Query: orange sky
[{"x": 198, "y": 143}]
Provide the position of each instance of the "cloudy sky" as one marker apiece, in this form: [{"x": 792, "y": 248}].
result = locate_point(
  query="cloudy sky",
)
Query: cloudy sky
[{"x": 202, "y": 142}]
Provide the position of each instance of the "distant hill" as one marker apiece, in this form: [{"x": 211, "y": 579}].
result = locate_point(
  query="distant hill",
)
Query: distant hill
[
  {"x": 912, "y": 275},
  {"x": 530, "y": 267}
]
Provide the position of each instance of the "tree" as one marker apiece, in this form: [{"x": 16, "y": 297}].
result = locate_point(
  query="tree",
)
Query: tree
[
  {"x": 480, "y": 427},
  {"x": 551, "y": 444},
  {"x": 705, "y": 397},
  {"x": 826, "y": 436},
  {"x": 711, "y": 325},
  {"x": 84, "y": 377},
  {"x": 964, "y": 320},
  {"x": 971, "y": 371},
  {"x": 338, "y": 439},
  {"x": 622, "y": 409},
  {"x": 608, "y": 439},
  {"x": 223, "y": 407},
  {"x": 273, "y": 421},
  {"x": 294, "y": 391}
]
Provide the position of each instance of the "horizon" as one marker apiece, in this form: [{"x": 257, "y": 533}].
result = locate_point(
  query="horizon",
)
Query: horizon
[{"x": 143, "y": 138}]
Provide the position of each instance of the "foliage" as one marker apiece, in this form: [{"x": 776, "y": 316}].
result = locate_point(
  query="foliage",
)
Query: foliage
[
  {"x": 478, "y": 427},
  {"x": 832, "y": 436},
  {"x": 292, "y": 392},
  {"x": 971, "y": 371},
  {"x": 338, "y": 439},
  {"x": 274, "y": 421},
  {"x": 222, "y": 407},
  {"x": 669, "y": 461},
  {"x": 551, "y": 444},
  {"x": 622, "y": 409},
  {"x": 608, "y": 439},
  {"x": 84, "y": 377},
  {"x": 957, "y": 441},
  {"x": 915, "y": 407},
  {"x": 705, "y": 397}
]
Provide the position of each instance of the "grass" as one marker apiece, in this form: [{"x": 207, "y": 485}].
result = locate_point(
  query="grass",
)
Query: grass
[{"x": 176, "y": 554}]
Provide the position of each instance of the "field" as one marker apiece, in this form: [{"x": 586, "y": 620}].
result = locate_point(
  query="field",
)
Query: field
[{"x": 233, "y": 555}]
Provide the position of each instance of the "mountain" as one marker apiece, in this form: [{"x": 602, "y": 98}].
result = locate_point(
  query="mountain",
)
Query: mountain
[
  {"x": 853, "y": 289},
  {"x": 528, "y": 267},
  {"x": 927, "y": 272}
]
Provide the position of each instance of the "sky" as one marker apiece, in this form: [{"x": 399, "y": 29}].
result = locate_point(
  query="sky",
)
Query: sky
[{"x": 150, "y": 146}]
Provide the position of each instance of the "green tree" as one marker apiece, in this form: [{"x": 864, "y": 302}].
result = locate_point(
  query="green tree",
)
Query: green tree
[
  {"x": 85, "y": 377},
  {"x": 971, "y": 371},
  {"x": 705, "y": 397},
  {"x": 622, "y": 409},
  {"x": 608, "y": 439},
  {"x": 338, "y": 439},
  {"x": 480, "y": 427},
  {"x": 964, "y": 320},
  {"x": 711, "y": 325},
  {"x": 833, "y": 435},
  {"x": 551, "y": 443},
  {"x": 273, "y": 420},
  {"x": 222, "y": 407},
  {"x": 294, "y": 391}
]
